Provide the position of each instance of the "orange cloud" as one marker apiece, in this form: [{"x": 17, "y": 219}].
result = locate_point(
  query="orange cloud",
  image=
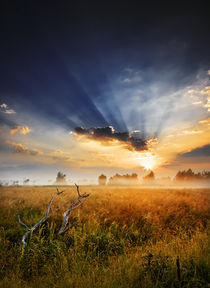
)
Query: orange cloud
[
  {"x": 19, "y": 148},
  {"x": 21, "y": 129},
  {"x": 183, "y": 141}
]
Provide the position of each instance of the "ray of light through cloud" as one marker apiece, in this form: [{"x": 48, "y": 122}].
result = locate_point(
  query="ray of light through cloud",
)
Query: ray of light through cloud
[{"x": 103, "y": 89}]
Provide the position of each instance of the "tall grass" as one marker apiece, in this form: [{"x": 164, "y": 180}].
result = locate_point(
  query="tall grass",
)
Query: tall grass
[{"x": 125, "y": 237}]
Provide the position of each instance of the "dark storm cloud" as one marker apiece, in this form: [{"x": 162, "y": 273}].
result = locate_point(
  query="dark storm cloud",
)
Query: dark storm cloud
[
  {"x": 132, "y": 141},
  {"x": 198, "y": 152}
]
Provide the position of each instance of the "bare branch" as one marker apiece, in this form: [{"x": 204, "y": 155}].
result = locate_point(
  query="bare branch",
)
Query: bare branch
[
  {"x": 29, "y": 230},
  {"x": 24, "y": 238},
  {"x": 77, "y": 189},
  {"x": 74, "y": 224},
  {"x": 74, "y": 205},
  {"x": 23, "y": 224}
]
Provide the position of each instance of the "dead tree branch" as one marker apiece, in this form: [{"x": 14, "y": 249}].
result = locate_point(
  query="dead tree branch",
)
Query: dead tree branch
[
  {"x": 81, "y": 199},
  {"x": 29, "y": 230}
]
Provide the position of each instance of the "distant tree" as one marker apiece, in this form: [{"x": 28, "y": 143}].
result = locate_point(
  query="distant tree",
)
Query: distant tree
[
  {"x": 150, "y": 176},
  {"x": 102, "y": 179},
  {"x": 205, "y": 175},
  {"x": 15, "y": 183},
  {"x": 189, "y": 175},
  {"x": 61, "y": 178},
  {"x": 26, "y": 181},
  {"x": 126, "y": 179}
]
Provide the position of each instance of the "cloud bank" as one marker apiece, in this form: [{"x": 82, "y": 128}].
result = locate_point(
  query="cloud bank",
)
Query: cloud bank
[{"x": 132, "y": 140}]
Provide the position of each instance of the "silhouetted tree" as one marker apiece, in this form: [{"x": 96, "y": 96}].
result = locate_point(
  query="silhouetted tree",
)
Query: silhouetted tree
[
  {"x": 102, "y": 179},
  {"x": 15, "y": 183},
  {"x": 123, "y": 179},
  {"x": 189, "y": 175},
  {"x": 150, "y": 176},
  {"x": 26, "y": 181},
  {"x": 61, "y": 177}
]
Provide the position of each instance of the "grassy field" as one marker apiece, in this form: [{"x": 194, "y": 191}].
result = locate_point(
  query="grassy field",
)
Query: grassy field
[{"x": 125, "y": 237}]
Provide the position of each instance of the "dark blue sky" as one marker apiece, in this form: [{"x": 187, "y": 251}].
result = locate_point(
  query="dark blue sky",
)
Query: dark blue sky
[{"x": 62, "y": 60}]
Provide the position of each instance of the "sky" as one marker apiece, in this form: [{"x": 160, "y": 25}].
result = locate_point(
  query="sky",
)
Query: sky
[{"x": 109, "y": 88}]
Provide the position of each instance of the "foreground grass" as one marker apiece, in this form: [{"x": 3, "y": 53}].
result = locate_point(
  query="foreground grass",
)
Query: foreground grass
[{"x": 125, "y": 237}]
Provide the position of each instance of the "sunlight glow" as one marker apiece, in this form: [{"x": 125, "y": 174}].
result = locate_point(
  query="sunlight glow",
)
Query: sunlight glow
[{"x": 148, "y": 160}]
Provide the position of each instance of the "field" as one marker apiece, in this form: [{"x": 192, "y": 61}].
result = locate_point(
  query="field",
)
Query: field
[{"x": 124, "y": 237}]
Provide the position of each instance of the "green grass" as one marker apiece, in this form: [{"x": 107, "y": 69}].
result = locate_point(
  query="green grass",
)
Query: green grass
[{"x": 125, "y": 237}]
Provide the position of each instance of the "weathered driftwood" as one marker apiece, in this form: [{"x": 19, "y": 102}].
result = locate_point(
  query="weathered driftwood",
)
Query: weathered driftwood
[
  {"x": 81, "y": 199},
  {"x": 29, "y": 230}
]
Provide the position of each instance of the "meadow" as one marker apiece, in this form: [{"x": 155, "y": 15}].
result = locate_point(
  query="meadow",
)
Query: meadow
[{"x": 124, "y": 237}]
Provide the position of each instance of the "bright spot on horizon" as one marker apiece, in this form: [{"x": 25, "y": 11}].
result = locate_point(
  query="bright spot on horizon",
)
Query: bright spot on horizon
[{"x": 148, "y": 160}]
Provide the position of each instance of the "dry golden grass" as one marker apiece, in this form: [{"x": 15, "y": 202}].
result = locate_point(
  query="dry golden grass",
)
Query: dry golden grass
[{"x": 126, "y": 237}]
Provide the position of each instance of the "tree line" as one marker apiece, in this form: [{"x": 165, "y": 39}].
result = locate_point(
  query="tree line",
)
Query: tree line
[
  {"x": 189, "y": 175},
  {"x": 185, "y": 175}
]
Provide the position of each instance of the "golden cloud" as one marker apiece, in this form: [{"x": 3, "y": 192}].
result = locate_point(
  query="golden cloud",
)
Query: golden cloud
[
  {"x": 193, "y": 131},
  {"x": 205, "y": 121},
  {"x": 19, "y": 148},
  {"x": 21, "y": 129},
  {"x": 182, "y": 141},
  {"x": 197, "y": 103},
  {"x": 206, "y": 91}
]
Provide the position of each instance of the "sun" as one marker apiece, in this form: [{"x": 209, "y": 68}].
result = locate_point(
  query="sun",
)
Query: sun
[
  {"x": 148, "y": 163},
  {"x": 148, "y": 160}
]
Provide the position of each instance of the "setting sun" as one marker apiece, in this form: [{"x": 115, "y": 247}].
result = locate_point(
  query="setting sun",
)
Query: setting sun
[
  {"x": 148, "y": 160},
  {"x": 148, "y": 165}
]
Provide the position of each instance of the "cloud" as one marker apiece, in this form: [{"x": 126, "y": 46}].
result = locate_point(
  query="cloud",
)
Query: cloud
[
  {"x": 21, "y": 129},
  {"x": 59, "y": 155},
  {"x": 57, "y": 152},
  {"x": 197, "y": 103},
  {"x": 193, "y": 131},
  {"x": 207, "y": 105},
  {"x": 134, "y": 77},
  {"x": 198, "y": 152},
  {"x": 200, "y": 96},
  {"x": 3, "y": 106},
  {"x": 19, "y": 148},
  {"x": 132, "y": 141},
  {"x": 206, "y": 91},
  {"x": 5, "y": 109},
  {"x": 205, "y": 121},
  {"x": 9, "y": 111}
]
